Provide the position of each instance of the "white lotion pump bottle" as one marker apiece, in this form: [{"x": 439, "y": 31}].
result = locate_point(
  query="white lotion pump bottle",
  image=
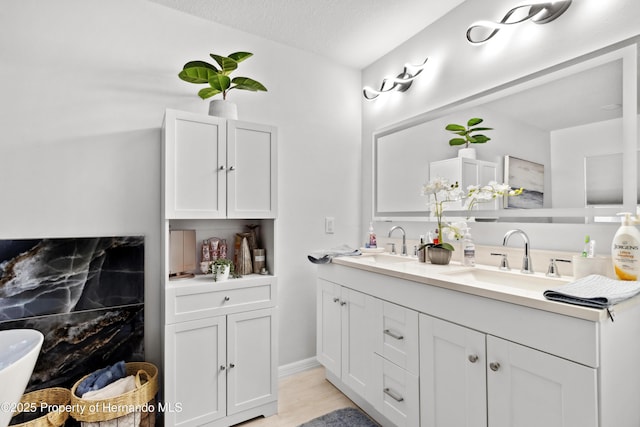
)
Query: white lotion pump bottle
[{"x": 625, "y": 249}]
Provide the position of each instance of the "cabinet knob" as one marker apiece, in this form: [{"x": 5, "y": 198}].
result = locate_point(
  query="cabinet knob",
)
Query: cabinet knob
[
  {"x": 222, "y": 367},
  {"x": 227, "y": 298},
  {"x": 473, "y": 358},
  {"x": 232, "y": 168},
  {"x": 232, "y": 365},
  {"x": 336, "y": 300},
  {"x": 494, "y": 366},
  {"x": 221, "y": 168},
  {"x": 343, "y": 303}
]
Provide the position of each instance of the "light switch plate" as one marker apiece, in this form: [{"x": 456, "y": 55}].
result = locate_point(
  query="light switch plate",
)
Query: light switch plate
[{"x": 329, "y": 223}]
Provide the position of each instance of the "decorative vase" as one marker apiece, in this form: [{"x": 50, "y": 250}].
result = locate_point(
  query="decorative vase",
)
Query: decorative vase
[
  {"x": 468, "y": 153},
  {"x": 439, "y": 256},
  {"x": 224, "y": 109}
]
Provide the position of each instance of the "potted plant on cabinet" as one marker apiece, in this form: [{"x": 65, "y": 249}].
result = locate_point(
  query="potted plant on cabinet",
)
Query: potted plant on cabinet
[
  {"x": 467, "y": 135},
  {"x": 219, "y": 81},
  {"x": 221, "y": 268}
]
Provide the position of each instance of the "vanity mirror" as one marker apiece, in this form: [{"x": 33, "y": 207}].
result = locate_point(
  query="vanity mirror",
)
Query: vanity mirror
[{"x": 565, "y": 121}]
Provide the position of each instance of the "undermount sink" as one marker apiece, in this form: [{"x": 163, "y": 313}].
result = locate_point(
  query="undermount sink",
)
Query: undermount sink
[
  {"x": 507, "y": 278},
  {"x": 385, "y": 258},
  {"x": 19, "y": 350}
]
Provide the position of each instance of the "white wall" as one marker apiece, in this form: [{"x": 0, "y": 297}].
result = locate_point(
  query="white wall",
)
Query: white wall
[
  {"x": 457, "y": 69},
  {"x": 84, "y": 86}
]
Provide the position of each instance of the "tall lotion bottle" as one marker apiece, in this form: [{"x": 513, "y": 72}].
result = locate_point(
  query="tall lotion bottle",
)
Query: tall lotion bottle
[{"x": 625, "y": 249}]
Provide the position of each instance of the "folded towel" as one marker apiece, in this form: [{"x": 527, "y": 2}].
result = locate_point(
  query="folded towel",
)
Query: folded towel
[
  {"x": 325, "y": 256},
  {"x": 116, "y": 388},
  {"x": 101, "y": 378},
  {"x": 594, "y": 291}
]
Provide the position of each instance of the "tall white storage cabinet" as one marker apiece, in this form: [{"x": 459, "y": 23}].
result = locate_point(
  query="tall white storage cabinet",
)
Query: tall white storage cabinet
[
  {"x": 466, "y": 172},
  {"x": 220, "y": 338}
]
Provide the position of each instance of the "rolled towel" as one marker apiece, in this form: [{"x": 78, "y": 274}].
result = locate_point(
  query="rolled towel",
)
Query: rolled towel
[
  {"x": 101, "y": 378},
  {"x": 116, "y": 388}
]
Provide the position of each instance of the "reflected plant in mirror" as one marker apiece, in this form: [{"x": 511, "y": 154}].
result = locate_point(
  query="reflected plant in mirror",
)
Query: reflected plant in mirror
[{"x": 467, "y": 134}]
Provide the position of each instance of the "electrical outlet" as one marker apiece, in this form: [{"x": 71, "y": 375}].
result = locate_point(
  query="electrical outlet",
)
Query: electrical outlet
[{"x": 329, "y": 223}]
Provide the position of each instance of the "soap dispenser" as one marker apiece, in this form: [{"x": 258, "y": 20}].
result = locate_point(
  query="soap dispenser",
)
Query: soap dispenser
[{"x": 625, "y": 249}]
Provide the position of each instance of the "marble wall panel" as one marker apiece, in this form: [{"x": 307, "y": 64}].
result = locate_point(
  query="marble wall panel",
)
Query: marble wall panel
[{"x": 86, "y": 295}]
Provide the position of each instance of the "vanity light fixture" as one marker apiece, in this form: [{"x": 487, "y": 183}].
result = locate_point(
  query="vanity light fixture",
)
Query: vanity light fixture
[
  {"x": 400, "y": 83},
  {"x": 538, "y": 12}
]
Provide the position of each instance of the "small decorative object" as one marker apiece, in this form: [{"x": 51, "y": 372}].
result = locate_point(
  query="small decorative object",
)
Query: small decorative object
[
  {"x": 254, "y": 241},
  {"x": 465, "y": 132},
  {"x": 258, "y": 260},
  {"x": 221, "y": 269},
  {"x": 201, "y": 72},
  {"x": 441, "y": 192},
  {"x": 243, "y": 255}
]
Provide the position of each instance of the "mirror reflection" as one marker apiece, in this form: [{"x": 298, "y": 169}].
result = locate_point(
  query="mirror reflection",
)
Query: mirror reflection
[{"x": 559, "y": 135}]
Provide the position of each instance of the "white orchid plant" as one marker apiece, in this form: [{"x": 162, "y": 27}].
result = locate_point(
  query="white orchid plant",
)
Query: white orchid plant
[{"x": 441, "y": 192}]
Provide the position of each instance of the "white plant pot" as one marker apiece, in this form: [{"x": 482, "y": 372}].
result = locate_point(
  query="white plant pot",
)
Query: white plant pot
[
  {"x": 223, "y": 274},
  {"x": 467, "y": 153},
  {"x": 223, "y": 108}
]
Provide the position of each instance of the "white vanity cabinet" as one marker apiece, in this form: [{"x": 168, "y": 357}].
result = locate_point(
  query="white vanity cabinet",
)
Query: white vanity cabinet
[
  {"x": 218, "y": 168},
  {"x": 490, "y": 362},
  {"x": 344, "y": 338},
  {"x": 466, "y": 374}
]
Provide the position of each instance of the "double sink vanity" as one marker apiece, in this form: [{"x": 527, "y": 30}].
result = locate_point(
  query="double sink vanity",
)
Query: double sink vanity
[{"x": 417, "y": 344}]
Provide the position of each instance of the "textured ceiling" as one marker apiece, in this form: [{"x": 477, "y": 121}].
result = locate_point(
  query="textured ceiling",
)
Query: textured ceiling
[{"x": 352, "y": 32}]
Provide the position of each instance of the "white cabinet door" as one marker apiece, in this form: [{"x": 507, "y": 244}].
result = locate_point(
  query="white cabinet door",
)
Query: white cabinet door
[
  {"x": 194, "y": 166},
  {"x": 357, "y": 340},
  {"x": 529, "y": 388},
  {"x": 328, "y": 345},
  {"x": 251, "y": 360},
  {"x": 195, "y": 371},
  {"x": 251, "y": 170},
  {"x": 452, "y": 375}
]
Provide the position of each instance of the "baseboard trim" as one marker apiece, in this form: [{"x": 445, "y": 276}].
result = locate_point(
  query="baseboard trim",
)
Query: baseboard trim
[{"x": 297, "y": 367}]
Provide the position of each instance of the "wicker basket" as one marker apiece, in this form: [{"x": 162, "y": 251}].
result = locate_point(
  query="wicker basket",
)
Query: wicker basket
[
  {"x": 55, "y": 397},
  {"x": 115, "y": 407}
]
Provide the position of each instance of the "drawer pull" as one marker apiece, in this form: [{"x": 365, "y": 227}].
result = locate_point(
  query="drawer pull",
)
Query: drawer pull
[
  {"x": 494, "y": 366},
  {"x": 226, "y": 299},
  {"x": 473, "y": 358},
  {"x": 393, "y": 334},
  {"x": 393, "y": 395},
  {"x": 336, "y": 300},
  {"x": 343, "y": 303}
]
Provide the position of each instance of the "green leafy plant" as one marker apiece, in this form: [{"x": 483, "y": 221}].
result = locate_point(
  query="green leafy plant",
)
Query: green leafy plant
[
  {"x": 219, "y": 265},
  {"x": 201, "y": 72},
  {"x": 467, "y": 133}
]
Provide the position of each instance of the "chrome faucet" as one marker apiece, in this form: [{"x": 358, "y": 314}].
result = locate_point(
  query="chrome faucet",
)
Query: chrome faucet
[
  {"x": 527, "y": 268},
  {"x": 404, "y": 238}
]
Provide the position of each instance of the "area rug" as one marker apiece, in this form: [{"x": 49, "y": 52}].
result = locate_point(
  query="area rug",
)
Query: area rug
[{"x": 345, "y": 417}]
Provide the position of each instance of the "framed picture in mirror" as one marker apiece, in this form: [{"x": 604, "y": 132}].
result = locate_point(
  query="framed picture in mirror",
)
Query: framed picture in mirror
[{"x": 529, "y": 176}]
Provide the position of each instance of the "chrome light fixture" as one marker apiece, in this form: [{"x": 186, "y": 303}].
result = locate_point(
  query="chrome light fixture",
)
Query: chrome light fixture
[
  {"x": 400, "y": 83},
  {"x": 538, "y": 12}
]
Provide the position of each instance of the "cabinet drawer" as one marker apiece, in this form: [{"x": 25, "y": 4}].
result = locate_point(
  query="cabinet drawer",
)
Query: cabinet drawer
[
  {"x": 395, "y": 393},
  {"x": 396, "y": 335},
  {"x": 191, "y": 302}
]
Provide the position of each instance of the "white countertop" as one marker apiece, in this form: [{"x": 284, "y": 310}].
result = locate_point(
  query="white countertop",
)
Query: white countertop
[{"x": 481, "y": 280}]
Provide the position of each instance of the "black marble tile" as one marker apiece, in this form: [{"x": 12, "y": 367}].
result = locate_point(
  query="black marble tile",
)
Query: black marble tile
[
  {"x": 79, "y": 343},
  {"x": 55, "y": 276}
]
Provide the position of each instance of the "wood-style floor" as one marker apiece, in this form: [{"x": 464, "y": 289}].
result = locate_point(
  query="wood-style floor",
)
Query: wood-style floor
[{"x": 302, "y": 397}]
